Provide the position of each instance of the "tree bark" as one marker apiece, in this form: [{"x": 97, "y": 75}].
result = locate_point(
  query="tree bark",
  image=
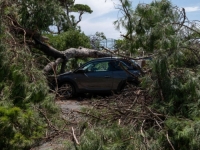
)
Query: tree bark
[
  {"x": 52, "y": 66},
  {"x": 48, "y": 50},
  {"x": 84, "y": 52}
]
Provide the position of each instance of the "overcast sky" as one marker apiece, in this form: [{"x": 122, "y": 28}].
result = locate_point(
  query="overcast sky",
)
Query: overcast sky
[{"x": 104, "y": 14}]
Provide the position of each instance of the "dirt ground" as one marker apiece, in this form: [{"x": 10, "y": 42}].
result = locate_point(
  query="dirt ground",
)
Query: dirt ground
[{"x": 69, "y": 108}]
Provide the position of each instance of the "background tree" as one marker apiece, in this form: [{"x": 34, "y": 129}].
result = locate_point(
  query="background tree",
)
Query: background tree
[
  {"x": 67, "y": 20},
  {"x": 122, "y": 46},
  {"x": 95, "y": 40},
  {"x": 68, "y": 39},
  {"x": 40, "y": 15}
]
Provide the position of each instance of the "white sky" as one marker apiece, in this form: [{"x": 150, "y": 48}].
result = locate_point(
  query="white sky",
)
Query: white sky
[{"x": 104, "y": 14}]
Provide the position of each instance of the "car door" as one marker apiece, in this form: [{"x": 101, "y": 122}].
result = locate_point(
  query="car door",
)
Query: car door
[
  {"x": 95, "y": 76},
  {"x": 119, "y": 75}
]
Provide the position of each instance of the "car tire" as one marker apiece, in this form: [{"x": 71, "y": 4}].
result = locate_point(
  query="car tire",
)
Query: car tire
[{"x": 66, "y": 90}]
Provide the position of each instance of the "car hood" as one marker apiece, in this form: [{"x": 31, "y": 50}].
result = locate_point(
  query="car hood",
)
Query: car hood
[{"x": 64, "y": 75}]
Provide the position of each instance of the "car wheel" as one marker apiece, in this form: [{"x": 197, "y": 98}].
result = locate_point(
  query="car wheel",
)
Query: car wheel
[{"x": 66, "y": 90}]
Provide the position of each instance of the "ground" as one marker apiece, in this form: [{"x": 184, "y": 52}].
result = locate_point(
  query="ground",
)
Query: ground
[{"x": 69, "y": 108}]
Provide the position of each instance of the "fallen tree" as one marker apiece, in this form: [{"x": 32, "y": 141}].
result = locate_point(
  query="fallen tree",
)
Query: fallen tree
[
  {"x": 64, "y": 56},
  {"x": 36, "y": 40}
]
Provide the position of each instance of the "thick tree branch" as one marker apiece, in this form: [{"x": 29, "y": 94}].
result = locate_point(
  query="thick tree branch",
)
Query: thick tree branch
[
  {"x": 84, "y": 52},
  {"x": 52, "y": 65},
  {"x": 48, "y": 50},
  {"x": 80, "y": 18}
]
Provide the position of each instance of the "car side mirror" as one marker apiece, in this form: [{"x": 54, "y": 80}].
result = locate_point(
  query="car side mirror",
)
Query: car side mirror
[{"x": 80, "y": 71}]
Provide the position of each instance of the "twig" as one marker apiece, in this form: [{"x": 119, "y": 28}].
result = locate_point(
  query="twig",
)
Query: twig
[
  {"x": 19, "y": 27},
  {"x": 87, "y": 114},
  {"x": 127, "y": 139},
  {"x": 143, "y": 134},
  {"x": 153, "y": 113},
  {"x": 170, "y": 142},
  {"x": 141, "y": 129},
  {"x": 158, "y": 124},
  {"x": 119, "y": 121},
  {"x": 74, "y": 136}
]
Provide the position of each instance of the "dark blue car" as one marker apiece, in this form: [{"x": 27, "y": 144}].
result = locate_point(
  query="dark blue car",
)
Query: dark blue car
[{"x": 99, "y": 75}]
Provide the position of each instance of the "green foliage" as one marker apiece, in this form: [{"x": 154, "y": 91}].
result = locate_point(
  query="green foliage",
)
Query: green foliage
[
  {"x": 154, "y": 25},
  {"x": 37, "y": 14},
  {"x": 69, "y": 39},
  {"x": 24, "y": 91},
  {"x": 82, "y": 8},
  {"x": 184, "y": 133},
  {"x": 122, "y": 45},
  {"x": 110, "y": 138},
  {"x": 66, "y": 20},
  {"x": 18, "y": 127}
]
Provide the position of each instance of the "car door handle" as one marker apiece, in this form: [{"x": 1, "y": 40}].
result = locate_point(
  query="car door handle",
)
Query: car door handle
[{"x": 107, "y": 76}]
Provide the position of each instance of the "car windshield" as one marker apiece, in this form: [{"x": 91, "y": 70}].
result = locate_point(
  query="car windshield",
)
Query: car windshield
[
  {"x": 88, "y": 67},
  {"x": 131, "y": 64},
  {"x": 96, "y": 66}
]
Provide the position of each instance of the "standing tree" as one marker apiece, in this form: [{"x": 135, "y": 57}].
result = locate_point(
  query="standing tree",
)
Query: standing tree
[
  {"x": 95, "y": 40},
  {"x": 40, "y": 15},
  {"x": 66, "y": 20}
]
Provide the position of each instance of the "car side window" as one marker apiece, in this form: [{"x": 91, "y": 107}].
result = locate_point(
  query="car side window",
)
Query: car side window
[
  {"x": 97, "y": 66},
  {"x": 88, "y": 68},
  {"x": 101, "y": 66}
]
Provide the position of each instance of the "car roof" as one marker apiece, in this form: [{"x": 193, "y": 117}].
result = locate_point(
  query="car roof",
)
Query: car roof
[
  {"x": 111, "y": 58},
  {"x": 108, "y": 58}
]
